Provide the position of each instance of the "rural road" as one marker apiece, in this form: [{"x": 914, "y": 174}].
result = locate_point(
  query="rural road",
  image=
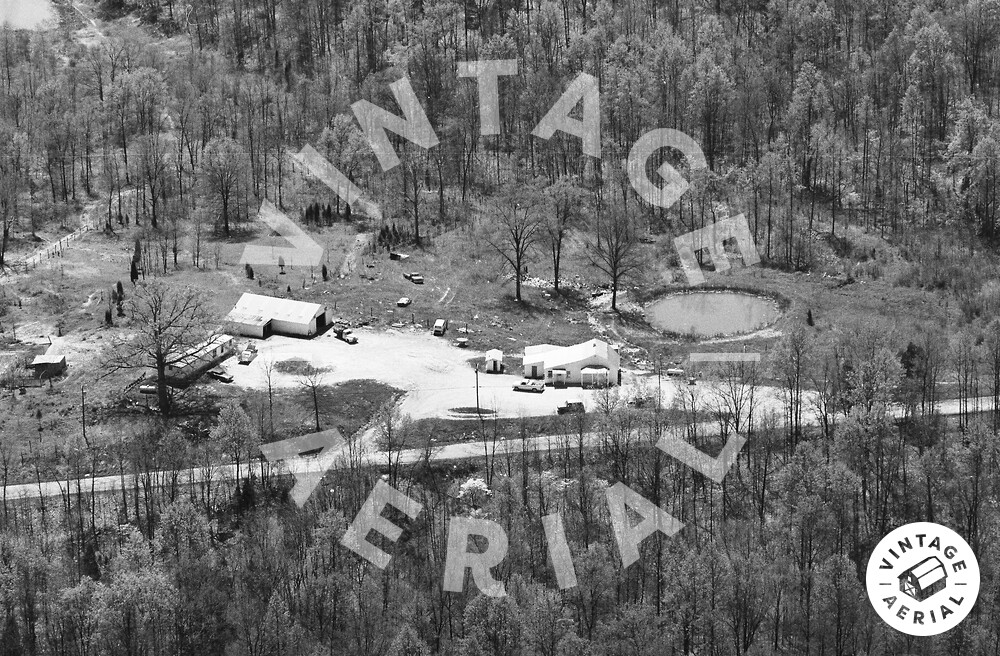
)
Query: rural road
[{"x": 336, "y": 458}]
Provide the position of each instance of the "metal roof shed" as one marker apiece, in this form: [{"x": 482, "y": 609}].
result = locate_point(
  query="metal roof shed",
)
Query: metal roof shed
[{"x": 48, "y": 365}]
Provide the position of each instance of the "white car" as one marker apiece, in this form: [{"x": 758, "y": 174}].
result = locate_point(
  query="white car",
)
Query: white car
[
  {"x": 403, "y": 302},
  {"x": 530, "y": 386}
]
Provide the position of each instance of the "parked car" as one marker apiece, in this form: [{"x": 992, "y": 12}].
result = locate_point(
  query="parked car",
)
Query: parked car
[
  {"x": 248, "y": 354},
  {"x": 147, "y": 388},
  {"x": 530, "y": 386},
  {"x": 692, "y": 380},
  {"x": 221, "y": 375},
  {"x": 440, "y": 327},
  {"x": 570, "y": 407},
  {"x": 404, "y": 302},
  {"x": 416, "y": 279},
  {"x": 347, "y": 336},
  {"x": 675, "y": 372}
]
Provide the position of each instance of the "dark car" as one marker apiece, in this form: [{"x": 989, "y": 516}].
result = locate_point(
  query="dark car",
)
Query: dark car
[
  {"x": 221, "y": 375},
  {"x": 570, "y": 407}
]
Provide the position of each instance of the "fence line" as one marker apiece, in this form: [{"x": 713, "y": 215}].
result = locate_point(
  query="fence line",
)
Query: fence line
[{"x": 53, "y": 249}]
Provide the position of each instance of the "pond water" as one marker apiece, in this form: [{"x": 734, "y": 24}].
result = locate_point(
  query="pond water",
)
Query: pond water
[
  {"x": 26, "y": 14},
  {"x": 707, "y": 314}
]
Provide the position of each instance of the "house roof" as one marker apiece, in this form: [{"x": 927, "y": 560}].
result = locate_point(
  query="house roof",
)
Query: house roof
[
  {"x": 493, "y": 354},
  {"x": 48, "y": 358},
  {"x": 578, "y": 352},
  {"x": 256, "y": 310},
  {"x": 538, "y": 349},
  {"x": 197, "y": 352}
]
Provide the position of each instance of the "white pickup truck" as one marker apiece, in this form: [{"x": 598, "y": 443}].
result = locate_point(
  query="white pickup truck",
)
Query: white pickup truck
[{"x": 248, "y": 353}]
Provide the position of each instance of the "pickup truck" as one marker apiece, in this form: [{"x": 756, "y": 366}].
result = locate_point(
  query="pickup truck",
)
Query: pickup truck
[
  {"x": 248, "y": 353},
  {"x": 344, "y": 334},
  {"x": 570, "y": 407},
  {"x": 530, "y": 386}
]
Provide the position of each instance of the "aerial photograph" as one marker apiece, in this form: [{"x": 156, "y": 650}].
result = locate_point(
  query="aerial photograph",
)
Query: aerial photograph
[{"x": 499, "y": 327}]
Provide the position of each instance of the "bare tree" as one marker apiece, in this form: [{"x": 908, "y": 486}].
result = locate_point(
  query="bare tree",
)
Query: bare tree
[
  {"x": 393, "y": 430},
  {"x": 736, "y": 393},
  {"x": 614, "y": 246},
  {"x": 169, "y": 321},
  {"x": 227, "y": 169},
  {"x": 567, "y": 201},
  {"x": 517, "y": 229},
  {"x": 313, "y": 379}
]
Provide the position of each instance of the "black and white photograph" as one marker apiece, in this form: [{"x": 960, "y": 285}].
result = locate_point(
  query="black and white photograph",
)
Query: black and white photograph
[{"x": 499, "y": 328}]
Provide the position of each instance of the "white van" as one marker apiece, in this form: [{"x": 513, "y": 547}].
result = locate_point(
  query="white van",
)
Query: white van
[
  {"x": 675, "y": 372},
  {"x": 440, "y": 326}
]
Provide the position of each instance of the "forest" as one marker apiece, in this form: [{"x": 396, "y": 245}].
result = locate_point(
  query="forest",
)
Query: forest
[{"x": 865, "y": 130}]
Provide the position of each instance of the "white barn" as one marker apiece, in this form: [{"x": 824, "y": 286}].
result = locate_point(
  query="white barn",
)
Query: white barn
[
  {"x": 261, "y": 316},
  {"x": 593, "y": 363}
]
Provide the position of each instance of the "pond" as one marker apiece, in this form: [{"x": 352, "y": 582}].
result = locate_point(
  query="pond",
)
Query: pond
[
  {"x": 708, "y": 314},
  {"x": 26, "y": 14}
]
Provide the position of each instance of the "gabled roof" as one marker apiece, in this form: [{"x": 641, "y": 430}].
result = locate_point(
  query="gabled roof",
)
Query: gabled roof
[
  {"x": 493, "y": 354},
  {"x": 257, "y": 310},
  {"x": 578, "y": 352},
  {"x": 539, "y": 349},
  {"x": 927, "y": 572}
]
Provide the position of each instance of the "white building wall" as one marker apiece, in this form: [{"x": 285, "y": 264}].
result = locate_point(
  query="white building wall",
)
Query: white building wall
[{"x": 293, "y": 328}]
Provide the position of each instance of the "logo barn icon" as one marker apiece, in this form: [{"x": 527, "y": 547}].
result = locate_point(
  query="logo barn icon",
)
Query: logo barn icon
[{"x": 923, "y": 579}]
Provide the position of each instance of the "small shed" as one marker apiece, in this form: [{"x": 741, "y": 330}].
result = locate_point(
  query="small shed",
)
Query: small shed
[
  {"x": 494, "y": 361},
  {"x": 924, "y": 579},
  {"x": 48, "y": 365}
]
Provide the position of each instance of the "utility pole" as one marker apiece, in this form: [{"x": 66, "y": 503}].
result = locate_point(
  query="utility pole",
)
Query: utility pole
[
  {"x": 83, "y": 413},
  {"x": 479, "y": 410}
]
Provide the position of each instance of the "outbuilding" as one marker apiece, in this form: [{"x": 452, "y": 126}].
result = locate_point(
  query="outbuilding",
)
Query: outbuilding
[
  {"x": 261, "y": 316},
  {"x": 184, "y": 367},
  {"x": 494, "y": 361},
  {"x": 48, "y": 365},
  {"x": 593, "y": 363}
]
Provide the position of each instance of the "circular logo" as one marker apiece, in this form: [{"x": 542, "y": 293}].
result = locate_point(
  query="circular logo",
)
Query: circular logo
[{"x": 923, "y": 579}]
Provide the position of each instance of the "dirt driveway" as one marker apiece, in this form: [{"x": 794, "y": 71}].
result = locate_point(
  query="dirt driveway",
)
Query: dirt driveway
[{"x": 437, "y": 376}]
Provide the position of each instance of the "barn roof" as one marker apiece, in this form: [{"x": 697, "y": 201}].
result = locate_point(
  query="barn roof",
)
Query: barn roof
[
  {"x": 928, "y": 571},
  {"x": 254, "y": 309}
]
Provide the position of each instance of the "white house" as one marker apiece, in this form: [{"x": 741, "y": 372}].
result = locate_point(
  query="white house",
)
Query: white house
[
  {"x": 260, "y": 316},
  {"x": 593, "y": 363},
  {"x": 185, "y": 366}
]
